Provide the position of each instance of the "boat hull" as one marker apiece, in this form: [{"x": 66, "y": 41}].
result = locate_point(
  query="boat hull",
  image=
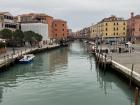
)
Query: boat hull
[
  {"x": 26, "y": 59},
  {"x": 25, "y": 62}
]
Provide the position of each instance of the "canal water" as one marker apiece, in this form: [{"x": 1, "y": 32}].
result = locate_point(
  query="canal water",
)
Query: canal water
[{"x": 65, "y": 76}]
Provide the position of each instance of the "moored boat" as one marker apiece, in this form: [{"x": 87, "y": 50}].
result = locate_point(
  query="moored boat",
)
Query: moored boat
[{"x": 27, "y": 59}]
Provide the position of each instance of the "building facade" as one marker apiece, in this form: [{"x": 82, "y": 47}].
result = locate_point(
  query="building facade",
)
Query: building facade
[
  {"x": 57, "y": 29},
  {"x": 60, "y": 29},
  {"x": 110, "y": 29},
  {"x": 134, "y": 27},
  {"x": 39, "y": 19},
  {"x": 39, "y": 28},
  {"x": 7, "y": 21}
]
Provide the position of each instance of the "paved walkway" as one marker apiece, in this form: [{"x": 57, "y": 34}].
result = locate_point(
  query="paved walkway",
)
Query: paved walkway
[
  {"x": 18, "y": 52},
  {"x": 127, "y": 59},
  {"x": 9, "y": 51}
]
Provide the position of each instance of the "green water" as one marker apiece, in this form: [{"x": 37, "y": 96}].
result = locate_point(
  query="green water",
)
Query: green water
[{"x": 66, "y": 76}]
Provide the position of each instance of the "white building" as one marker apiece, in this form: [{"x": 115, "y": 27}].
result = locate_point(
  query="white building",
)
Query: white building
[
  {"x": 7, "y": 21},
  {"x": 39, "y": 28}
]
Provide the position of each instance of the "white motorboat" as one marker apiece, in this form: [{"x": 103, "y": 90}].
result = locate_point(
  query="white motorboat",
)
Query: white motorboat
[{"x": 26, "y": 58}]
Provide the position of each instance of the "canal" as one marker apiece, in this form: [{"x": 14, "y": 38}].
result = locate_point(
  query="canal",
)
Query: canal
[{"x": 65, "y": 76}]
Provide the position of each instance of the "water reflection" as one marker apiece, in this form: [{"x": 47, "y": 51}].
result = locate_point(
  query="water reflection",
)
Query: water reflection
[
  {"x": 1, "y": 93},
  {"x": 109, "y": 79},
  {"x": 57, "y": 59}
]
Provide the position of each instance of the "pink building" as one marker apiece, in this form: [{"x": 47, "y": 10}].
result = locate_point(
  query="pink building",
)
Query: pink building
[{"x": 134, "y": 27}]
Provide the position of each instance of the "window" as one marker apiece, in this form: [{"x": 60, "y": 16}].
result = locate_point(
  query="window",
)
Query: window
[
  {"x": 124, "y": 23},
  {"x": 123, "y": 28},
  {"x": 117, "y": 23},
  {"x": 63, "y": 29},
  {"x": 123, "y": 33},
  {"x": 114, "y": 28},
  {"x": 63, "y": 34},
  {"x": 106, "y": 34},
  {"x": 93, "y": 30},
  {"x": 56, "y": 35},
  {"x": 63, "y": 25},
  {"x": 106, "y": 24},
  {"x": 55, "y": 25},
  {"x": 114, "y": 34},
  {"x": 133, "y": 24},
  {"x": 106, "y": 29},
  {"x": 114, "y": 23},
  {"x": 117, "y": 28}
]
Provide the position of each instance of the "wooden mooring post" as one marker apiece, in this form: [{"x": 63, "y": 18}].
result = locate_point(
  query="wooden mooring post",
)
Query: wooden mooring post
[
  {"x": 136, "y": 96},
  {"x": 131, "y": 75},
  {"x": 105, "y": 62}
]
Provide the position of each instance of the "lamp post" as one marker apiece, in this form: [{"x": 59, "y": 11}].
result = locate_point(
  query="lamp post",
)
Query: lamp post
[{"x": 13, "y": 43}]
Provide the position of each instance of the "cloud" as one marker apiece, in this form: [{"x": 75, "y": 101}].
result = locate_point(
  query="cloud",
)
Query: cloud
[{"x": 78, "y": 13}]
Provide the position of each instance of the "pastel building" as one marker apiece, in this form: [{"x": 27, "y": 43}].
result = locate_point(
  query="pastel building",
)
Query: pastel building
[
  {"x": 134, "y": 27},
  {"x": 60, "y": 29},
  {"x": 109, "y": 28}
]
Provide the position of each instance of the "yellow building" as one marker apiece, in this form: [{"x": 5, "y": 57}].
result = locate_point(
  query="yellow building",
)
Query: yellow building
[{"x": 109, "y": 28}]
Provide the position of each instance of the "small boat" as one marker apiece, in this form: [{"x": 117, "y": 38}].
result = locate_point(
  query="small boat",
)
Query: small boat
[{"x": 26, "y": 59}]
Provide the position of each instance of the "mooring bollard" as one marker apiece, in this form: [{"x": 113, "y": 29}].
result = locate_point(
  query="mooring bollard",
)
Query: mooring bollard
[{"x": 136, "y": 96}]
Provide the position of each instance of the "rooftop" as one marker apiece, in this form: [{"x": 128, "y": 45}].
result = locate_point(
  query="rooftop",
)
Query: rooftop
[
  {"x": 36, "y": 14},
  {"x": 59, "y": 20}
]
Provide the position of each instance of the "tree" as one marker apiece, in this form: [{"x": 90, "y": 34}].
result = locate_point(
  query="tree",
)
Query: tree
[
  {"x": 6, "y": 34},
  {"x": 18, "y": 37},
  {"x": 38, "y": 37},
  {"x": 28, "y": 36},
  {"x": 31, "y": 37}
]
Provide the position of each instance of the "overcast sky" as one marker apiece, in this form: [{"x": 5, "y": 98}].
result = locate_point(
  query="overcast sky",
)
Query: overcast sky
[{"x": 78, "y": 13}]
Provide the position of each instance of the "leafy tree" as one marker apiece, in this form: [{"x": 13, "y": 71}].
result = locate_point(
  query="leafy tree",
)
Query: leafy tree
[
  {"x": 38, "y": 37},
  {"x": 28, "y": 35},
  {"x": 31, "y": 37},
  {"x": 18, "y": 35},
  {"x": 6, "y": 34}
]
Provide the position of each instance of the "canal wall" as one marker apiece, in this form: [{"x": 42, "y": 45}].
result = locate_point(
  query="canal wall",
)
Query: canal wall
[
  {"x": 128, "y": 73},
  {"x": 106, "y": 62},
  {"x": 9, "y": 59}
]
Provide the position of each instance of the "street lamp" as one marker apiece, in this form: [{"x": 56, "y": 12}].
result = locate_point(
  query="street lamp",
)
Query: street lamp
[{"x": 13, "y": 43}]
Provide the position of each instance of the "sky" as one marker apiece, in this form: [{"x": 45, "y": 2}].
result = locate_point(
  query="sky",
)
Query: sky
[{"x": 78, "y": 13}]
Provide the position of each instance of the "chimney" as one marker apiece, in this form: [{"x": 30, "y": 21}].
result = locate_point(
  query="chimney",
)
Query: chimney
[{"x": 132, "y": 14}]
